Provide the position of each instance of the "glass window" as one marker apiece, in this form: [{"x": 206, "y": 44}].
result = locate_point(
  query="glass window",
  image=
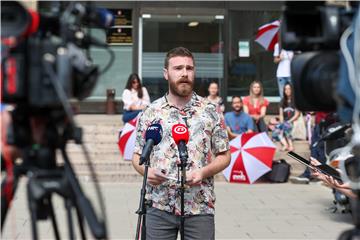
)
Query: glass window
[
  {"x": 259, "y": 64},
  {"x": 117, "y": 75},
  {"x": 202, "y": 35}
]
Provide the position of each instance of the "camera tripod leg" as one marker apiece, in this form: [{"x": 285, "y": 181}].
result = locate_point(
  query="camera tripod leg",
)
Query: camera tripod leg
[
  {"x": 33, "y": 211},
  {"x": 81, "y": 223},
  {"x": 68, "y": 206},
  {"x": 53, "y": 219}
]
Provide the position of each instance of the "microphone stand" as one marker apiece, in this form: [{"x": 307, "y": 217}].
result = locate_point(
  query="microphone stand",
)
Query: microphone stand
[
  {"x": 183, "y": 154},
  {"x": 142, "y": 205}
]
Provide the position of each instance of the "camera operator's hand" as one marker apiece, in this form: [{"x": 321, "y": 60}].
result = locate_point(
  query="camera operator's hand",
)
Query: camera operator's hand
[
  {"x": 314, "y": 172},
  {"x": 314, "y": 161}
]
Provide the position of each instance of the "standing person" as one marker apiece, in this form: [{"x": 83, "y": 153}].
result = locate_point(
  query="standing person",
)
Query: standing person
[
  {"x": 208, "y": 150},
  {"x": 283, "y": 59},
  {"x": 255, "y": 105},
  {"x": 135, "y": 98},
  {"x": 288, "y": 114},
  {"x": 238, "y": 121},
  {"x": 214, "y": 96}
]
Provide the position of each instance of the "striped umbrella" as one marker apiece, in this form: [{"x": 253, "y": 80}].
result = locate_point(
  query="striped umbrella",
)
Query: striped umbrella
[
  {"x": 126, "y": 141},
  {"x": 251, "y": 157},
  {"x": 267, "y": 35}
]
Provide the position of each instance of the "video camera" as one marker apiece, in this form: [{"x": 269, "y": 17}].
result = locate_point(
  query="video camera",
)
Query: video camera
[
  {"x": 326, "y": 73},
  {"x": 45, "y": 61},
  {"x": 319, "y": 77},
  {"x": 46, "y": 50}
]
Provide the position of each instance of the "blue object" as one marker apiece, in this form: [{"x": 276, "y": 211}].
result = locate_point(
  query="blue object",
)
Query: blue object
[
  {"x": 239, "y": 123},
  {"x": 153, "y": 137},
  {"x": 344, "y": 89},
  {"x": 154, "y": 132},
  {"x": 130, "y": 115}
]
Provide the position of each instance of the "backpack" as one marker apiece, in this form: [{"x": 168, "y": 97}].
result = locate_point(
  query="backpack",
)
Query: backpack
[{"x": 280, "y": 172}]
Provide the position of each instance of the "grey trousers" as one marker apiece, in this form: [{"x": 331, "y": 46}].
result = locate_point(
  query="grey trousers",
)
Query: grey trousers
[{"x": 161, "y": 225}]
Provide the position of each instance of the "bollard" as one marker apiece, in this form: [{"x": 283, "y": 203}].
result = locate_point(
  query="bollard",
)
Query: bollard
[{"x": 110, "y": 101}]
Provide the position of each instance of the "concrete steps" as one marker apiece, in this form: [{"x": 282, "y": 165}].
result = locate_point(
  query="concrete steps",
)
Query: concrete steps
[{"x": 100, "y": 139}]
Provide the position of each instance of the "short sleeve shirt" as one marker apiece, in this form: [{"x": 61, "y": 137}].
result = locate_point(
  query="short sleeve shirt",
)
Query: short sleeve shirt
[
  {"x": 283, "y": 69},
  {"x": 130, "y": 97},
  {"x": 239, "y": 123},
  {"x": 208, "y": 137},
  {"x": 288, "y": 111},
  {"x": 256, "y": 108}
]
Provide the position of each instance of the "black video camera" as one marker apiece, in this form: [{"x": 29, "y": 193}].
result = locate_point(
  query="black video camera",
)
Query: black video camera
[
  {"x": 320, "y": 80},
  {"x": 47, "y": 51},
  {"x": 326, "y": 74}
]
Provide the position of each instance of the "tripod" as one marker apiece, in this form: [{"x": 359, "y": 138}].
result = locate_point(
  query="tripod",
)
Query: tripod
[
  {"x": 141, "y": 222},
  {"x": 46, "y": 178},
  {"x": 183, "y": 154}
]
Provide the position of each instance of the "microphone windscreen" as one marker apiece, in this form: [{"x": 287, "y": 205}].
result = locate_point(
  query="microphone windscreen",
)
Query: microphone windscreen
[
  {"x": 105, "y": 17},
  {"x": 180, "y": 133},
  {"x": 154, "y": 132}
]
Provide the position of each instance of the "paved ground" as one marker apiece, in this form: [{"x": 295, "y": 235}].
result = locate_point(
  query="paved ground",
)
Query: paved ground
[{"x": 260, "y": 211}]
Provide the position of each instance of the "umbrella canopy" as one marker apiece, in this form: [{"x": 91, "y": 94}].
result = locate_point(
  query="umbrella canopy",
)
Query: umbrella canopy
[
  {"x": 251, "y": 157},
  {"x": 267, "y": 35},
  {"x": 127, "y": 137}
]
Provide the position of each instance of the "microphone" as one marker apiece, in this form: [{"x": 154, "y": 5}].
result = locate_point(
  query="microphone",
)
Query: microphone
[
  {"x": 105, "y": 18},
  {"x": 180, "y": 135},
  {"x": 153, "y": 136}
]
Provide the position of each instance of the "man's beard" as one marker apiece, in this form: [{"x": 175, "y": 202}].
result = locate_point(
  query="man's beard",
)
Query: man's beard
[
  {"x": 238, "y": 110},
  {"x": 182, "y": 88}
]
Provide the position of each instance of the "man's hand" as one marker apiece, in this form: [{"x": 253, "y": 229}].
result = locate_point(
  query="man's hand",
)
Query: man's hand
[
  {"x": 194, "y": 177},
  {"x": 153, "y": 178}
]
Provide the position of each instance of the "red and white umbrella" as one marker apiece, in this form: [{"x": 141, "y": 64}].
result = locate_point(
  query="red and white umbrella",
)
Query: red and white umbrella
[
  {"x": 267, "y": 35},
  {"x": 251, "y": 157},
  {"x": 127, "y": 138}
]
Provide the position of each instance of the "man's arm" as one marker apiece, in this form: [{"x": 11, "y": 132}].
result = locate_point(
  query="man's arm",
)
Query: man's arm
[{"x": 221, "y": 161}]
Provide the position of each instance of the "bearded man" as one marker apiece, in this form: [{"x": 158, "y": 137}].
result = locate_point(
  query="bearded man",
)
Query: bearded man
[{"x": 208, "y": 150}]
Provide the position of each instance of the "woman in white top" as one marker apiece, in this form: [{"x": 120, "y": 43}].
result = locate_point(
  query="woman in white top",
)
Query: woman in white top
[
  {"x": 135, "y": 98},
  {"x": 214, "y": 97}
]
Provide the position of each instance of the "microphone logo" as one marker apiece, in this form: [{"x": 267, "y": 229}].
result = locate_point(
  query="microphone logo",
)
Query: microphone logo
[{"x": 180, "y": 129}]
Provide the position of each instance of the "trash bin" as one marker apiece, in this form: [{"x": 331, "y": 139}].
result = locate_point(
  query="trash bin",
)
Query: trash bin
[{"x": 110, "y": 101}]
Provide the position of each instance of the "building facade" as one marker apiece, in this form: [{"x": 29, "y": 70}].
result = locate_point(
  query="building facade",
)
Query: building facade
[{"x": 221, "y": 35}]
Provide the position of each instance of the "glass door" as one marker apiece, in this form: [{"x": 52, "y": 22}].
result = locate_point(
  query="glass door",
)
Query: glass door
[{"x": 202, "y": 35}]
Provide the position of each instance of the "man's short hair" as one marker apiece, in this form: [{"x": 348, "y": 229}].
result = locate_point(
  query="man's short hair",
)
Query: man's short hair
[
  {"x": 177, "y": 52},
  {"x": 233, "y": 97}
]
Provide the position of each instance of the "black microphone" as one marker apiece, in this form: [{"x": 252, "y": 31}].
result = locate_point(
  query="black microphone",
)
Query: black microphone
[{"x": 153, "y": 137}]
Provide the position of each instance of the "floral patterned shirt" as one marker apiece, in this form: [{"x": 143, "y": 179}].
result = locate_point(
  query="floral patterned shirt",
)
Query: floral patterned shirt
[{"x": 208, "y": 137}]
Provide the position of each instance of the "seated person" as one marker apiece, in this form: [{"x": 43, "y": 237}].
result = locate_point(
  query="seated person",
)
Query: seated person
[
  {"x": 238, "y": 121},
  {"x": 255, "y": 105},
  {"x": 214, "y": 97},
  {"x": 135, "y": 98},
  {"x": 281, "y": 132}
]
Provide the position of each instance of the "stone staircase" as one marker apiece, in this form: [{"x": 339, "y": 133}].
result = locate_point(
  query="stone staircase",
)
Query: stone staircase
[{"x": 100, "y": 139}]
